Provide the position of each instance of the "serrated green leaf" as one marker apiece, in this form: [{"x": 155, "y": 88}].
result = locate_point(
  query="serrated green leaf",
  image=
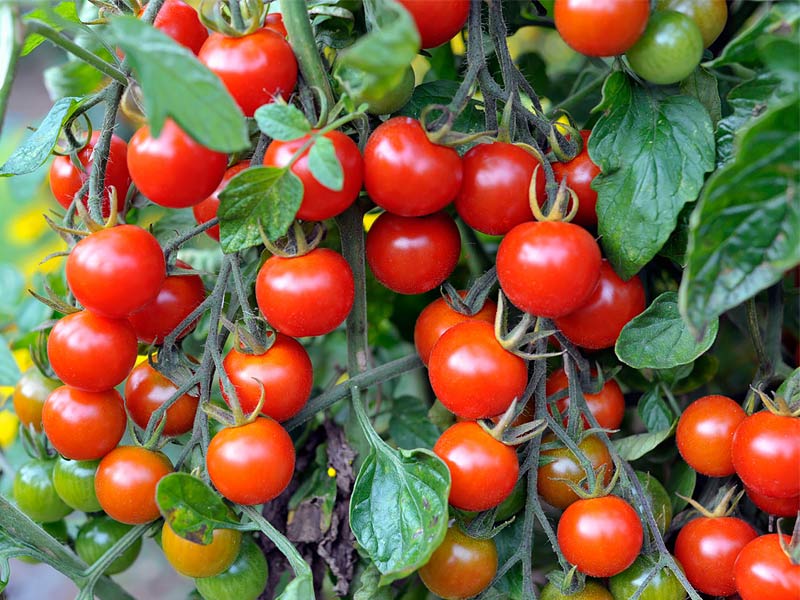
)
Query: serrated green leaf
[
  {"x": 175, "y": 84},
  {"x": 9, "y": 371},
  {"x": 283, "y": 122},
  {"x": 745, "y": 231},
  {"x": 654, "y": 412},
  {"x": 324, "y": 164},
  {"x": 660, "y": 339},
  {"x": 270, "y": 196},
  {"x": 636, "y": 446},
  {"x": 653, "y": 153},
  {"x": 35, "y": 150},
  {"x": 702, "y": 84},
  {"x": 409, "y": 424},
  {"x": 56, "y": 17},
  {"x": 682, "y": 479}
]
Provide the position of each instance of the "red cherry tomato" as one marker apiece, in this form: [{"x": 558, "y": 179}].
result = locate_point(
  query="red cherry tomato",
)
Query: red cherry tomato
[
  {"x": 320, "y": 202},
  {"x": 553, "y": 477},
  {"x": 274, "y": 21},
  {"x": 256, "y": 68},
  {"x": 705, "y": 434},
  {"x": 66, "y": 179},
  {"x": 305, "y": 295},
  {"x": 599, "y": 321},
  {"x": 601, "y": 27},
  {"x": 253, "y": 463},
  {"x": 147, "y": 389},
  {"x": 283, "y": 372},
  {"x": 708, "y": 547},
  {"x": 438, "y": 317},
  {"x": 84, "y": 425},
  {"x": 90, "y": 352},
  {"x": 472, "y": 374},
  {"x": 607, "y": 406},
  {"x": 207, "y": 209},
  {"x": 116, "y": 271},
  {"x": 412, "y": 255},
  {"x": 780, "y": 507},
  {"x": 763, "y": 571},
  {"x": 483, "y": 470},
  {"x": 180, "y": 22},
  {"x": 579, "y": 173},
  {"x": 407, "y": 174},
  {"x": 494, "y": 196},
  {"x": 766, "y": 454},
  {"x": 173, "y": 170},
  {"x": 461, "y": 567},
  {"x": 126, "y": 481},
  {"x": 178, "y": 297},
  {"x": 601, "y": 536},
  {"x": 437, "y": 22}
]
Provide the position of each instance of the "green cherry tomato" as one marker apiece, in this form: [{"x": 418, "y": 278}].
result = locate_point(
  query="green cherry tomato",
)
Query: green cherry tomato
[
  {"x": 74, "y": 483},
  {"x": 709, "y": 15},
  {"x": 35, "y": 493},
  {"x": 98, "y": 535},
  {"x": 591, "y": 591},
  {"x": 659, "y": 500},
  {"x": 384, "y": 102},
  {"x": 663, "y": 586},
  {"x": 245, "y": 579},
  {"x": 669, "y": 49}
]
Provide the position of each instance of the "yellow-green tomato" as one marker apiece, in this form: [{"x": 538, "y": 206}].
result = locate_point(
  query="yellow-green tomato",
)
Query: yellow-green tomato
[
  {"x": 201, "y": 560},
  {"x": 669, "y": 50},
  {"x": 709, "y": 15}
]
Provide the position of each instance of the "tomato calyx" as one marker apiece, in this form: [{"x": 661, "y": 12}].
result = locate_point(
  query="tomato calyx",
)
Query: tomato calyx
[
  {"x": 232, "y": 18},
  {"x": 302, "y": 238},
  {"x": 565, "y": 132},
  {"x": 437, "y": 122},
  {"x": 518, "y": 338},
  {"x": 792, "y": 547},
  {"x": 724, "y": 508},
  {"x": 470, "y": 302},
  {"x": 777, "y": 406},
  {"x": 503, "y": 431}
]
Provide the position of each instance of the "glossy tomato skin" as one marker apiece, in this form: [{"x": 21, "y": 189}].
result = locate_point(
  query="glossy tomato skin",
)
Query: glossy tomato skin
[
  {"x": 35, "y": 493},
  {"x": 611, "y": 305},
  {"x": 438, "y": 317},
  {"x": 472, "y": 374},
  {"x": 552, "y": 478},
  {"x": 201, "y": 560},
  {"x": 494, "y": 195},
  {"x": 90, "y": 352},
  {"x": 253, "y": 463},
  {"x": 284, "y": 372},
  {"x": 180, "y": 22},
  {"x": 779, "y": 507},
  {"x": 84, "y": 425},
  {"x": 29, "y": 396},
  {"x": 763, "y": 570},
  {"x": 74, "y": 483},
  {"x": 601, "y": 27},
  {"x": 709, "y": 15},
  {"x": 707, "y": 548},
  {"x": 588, "y": 528},
  {"x": 591, "y": 591},
  {"x": 766, "y": 452},
  {"x": 663, "y": 586},
  {"x": 607, "y": 405},
  {"x": 147, "y": 389},
  {"x": 548, "y": 269},
  {"x": 437, "y": 22},
  {"x": 413, "y": 255},
  {"x": 178, "y": 297},
  {"x": 669, "y": 49},
  {"x": 320, "y": 202},
  {"x": 461, "y": 567},
  {"x": 116, "y": 271},
  {"x": 305, "y": 295},
  {"x": 99, "y": 534},
  {"x": 256, "y": 68},
  {"x": 384, "y": 102},
  {"x": 705, "y": 434},
  {"x": 66, "y": 179},
  {"x": 126, "y": 482},
  {"x": 274, "y": 21},
  {"x": 579, "y": 173},
  {"x": 172, "y": 169},
  {"x": 207, "y": 209},
  {"x": 405, "y": 173},
  {"x": 483, "y": 470},
  {"x": 245, "y": 579}
]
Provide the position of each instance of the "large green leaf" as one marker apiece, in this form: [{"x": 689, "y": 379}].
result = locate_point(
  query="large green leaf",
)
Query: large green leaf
[
  {"x": 57, "y": 17},
  {"x": 73, "y": 78},
  {"x": 745, "y": 231},
  {"x": 636, "y": 446},
  {"x": 653, "y": 152},
  {"x": 409, "y": 424},
  {"x": 654, "y": 412},
  {"x": 659, "y": 339},
  {"x": 175, "y": 84},
  {"x": 703, "y": 85}
]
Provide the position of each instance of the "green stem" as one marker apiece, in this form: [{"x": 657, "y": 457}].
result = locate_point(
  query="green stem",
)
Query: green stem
[
  {"x": 298, "y": 564},
  {"x": 351, "y": 227},
  {"x": 301, "y": 38},
  {"x": 67, "y": 44},
  {"x": 12, "y": 37},
  {"x": 589, "y": 89}
]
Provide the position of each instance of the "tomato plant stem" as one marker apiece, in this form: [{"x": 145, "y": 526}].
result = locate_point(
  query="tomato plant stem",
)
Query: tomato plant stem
[
  {"x": 298, "y": 564},
  {"x": 301, "y": 38},
  {"x": 101, "y": 151}
]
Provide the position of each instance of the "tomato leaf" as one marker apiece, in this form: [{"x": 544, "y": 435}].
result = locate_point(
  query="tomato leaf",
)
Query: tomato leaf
[
  {"x": 269, "y": 196},
  {"x": 35, "y": 150},
  {"x": 789, "y": 390},
  {"x": 702, "y": 84},
  {"x": 637, "y": 445},
  {"x": 441, "y": 92},
  {"x": 654, "y": 412},
  {"x": 703, "y": 371},
  {"x": 324, "y": 164},
  {"x": 175, "y": 84},
  {"x": 57, "y": 17},
  {"x": 299, "y": 588},
  {"x": 282, "y": 122},
  {"x": 745, "y": 231},
  {"x": 370, "y": 586},
  {"x": 192, "y": 509},
  {"x": 653, "y": 152},
  {"x": 73, "y": 78},
  {"x": 409, "y": 424},
  {"x": 398, "y": 510},
  {"x": 682, "y": 479},
  {"x": 659, "y": 339}
]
